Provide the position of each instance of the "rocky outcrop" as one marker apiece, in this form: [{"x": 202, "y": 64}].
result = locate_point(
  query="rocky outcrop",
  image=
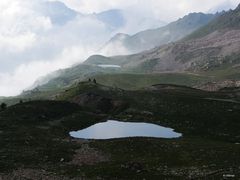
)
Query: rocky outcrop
[
  {"x": 221, "y": 85},
  {"x": 99, "y": 103}
]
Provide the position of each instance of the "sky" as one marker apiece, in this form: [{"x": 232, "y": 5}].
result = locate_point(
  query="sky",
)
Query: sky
[{"x": 38, "y": 36}]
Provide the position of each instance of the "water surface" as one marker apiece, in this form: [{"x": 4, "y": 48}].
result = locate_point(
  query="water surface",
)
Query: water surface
[
  {"x": 115, "y": 129},
  {"x": 109, "y": 66}
]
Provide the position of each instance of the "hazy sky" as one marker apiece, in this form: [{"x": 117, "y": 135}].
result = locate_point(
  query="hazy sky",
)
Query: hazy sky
[{"x": 36, "y": 39}]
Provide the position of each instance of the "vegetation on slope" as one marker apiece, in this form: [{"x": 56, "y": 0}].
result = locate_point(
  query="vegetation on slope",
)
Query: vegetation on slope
[
  {"x": 35, "y": 142},
  {"x": 139, "y": 81}
]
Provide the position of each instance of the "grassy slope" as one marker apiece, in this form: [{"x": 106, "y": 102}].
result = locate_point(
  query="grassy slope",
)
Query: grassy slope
[
  {"x": 174, "y": 105},
  {"x": 40, "y": 130},
  {"x": 138, "y": 81},
  {"x": 75, "y": 74},
  {"x": 129, "y": 81},
  {"x": 41, "y": 95},
  {"x": 223, "y": 73},
  {"x": 32, "y": 134}
]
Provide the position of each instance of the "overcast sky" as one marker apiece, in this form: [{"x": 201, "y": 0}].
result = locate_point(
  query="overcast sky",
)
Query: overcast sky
[{"x": 35, "y": 39}]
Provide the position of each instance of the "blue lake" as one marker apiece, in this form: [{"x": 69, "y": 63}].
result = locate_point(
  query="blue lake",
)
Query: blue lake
[{"x": 115, "y": 129}]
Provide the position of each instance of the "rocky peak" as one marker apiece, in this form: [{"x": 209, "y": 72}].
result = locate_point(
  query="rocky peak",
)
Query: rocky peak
[
  {"x": 238, "y": 8},
  {"x": 120, "y": 36}
]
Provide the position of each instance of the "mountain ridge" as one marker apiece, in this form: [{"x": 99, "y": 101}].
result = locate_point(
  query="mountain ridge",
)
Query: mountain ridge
[
  {"x": 151, "y": 38},
  {"x": 216, "y": 54},
  {"x": 229, "y": 19},
  {"x": 217, "y": 48}
]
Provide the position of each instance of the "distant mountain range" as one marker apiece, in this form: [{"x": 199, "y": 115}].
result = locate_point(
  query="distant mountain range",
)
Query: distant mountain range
[
  {"x": 213, "y": 50},
  {"x": 211, "y": 47},
  {"x": 60, "y": 14},
  {"x": 125, "y": 44},
  {"x": 113, "y": 19}
]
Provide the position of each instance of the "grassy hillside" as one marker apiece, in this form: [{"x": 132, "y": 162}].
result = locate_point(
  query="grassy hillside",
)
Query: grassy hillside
[
  {"x": 139, "y": 81},
  {"x": 72, "y": 75},
  {"x": 40, "y": 129},
  {"x": 126, "y": 81}
]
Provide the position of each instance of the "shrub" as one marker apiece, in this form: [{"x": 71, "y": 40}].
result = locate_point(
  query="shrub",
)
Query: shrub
[{"x": 3, "y": 106}]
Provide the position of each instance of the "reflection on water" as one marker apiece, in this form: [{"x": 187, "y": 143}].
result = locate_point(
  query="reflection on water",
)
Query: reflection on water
[{"x": 116, "y": 129}]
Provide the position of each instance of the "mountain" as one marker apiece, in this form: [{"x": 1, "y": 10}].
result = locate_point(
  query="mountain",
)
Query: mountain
[
  {"x": 119, "y": 20},
  {"x": 58, "y": 12},
  {"x": 215, "y": 46},
  {"x": 63, "y": 78},
  {"x": 229, "y": 20},
  {"x": 126, "y": 44},
  {"x": 213, "y": 57},
  {"x": 114, "y": 18},
  {"x": 194, "y": 134},
  {"x": 116, "y": 45}
]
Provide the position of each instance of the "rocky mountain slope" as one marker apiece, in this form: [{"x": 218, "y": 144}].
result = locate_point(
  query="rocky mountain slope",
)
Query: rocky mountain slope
[
  {"x": 231, "y": 20},
  {"x": 215, "y": 56},
  {"x": 126, "y": 44},
  {"x": 217, "y": 45},
  {"x": 219, "y": 86}
]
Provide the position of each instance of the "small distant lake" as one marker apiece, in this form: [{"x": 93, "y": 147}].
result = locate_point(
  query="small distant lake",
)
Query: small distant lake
[
  {"x": 109, "y": 66},
  {"x": 115, "y": 129}
]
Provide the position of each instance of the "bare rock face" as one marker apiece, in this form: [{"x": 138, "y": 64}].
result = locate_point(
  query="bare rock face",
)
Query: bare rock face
[
  {"x": 202, "y": 54},
  {"x": 88, "y": 156},
  {"x": 36, "y": 174},
  {"x": 221, "y": 85},
  {"x": 98, "y": 103}
]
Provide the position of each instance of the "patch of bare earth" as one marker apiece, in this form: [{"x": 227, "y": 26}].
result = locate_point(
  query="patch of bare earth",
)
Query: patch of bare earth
[
  {"x": 32, "y": 174},
  {"x": 88, "y": 156}
]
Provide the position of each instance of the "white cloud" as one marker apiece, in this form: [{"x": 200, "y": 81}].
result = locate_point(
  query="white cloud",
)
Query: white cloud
[
  {"x": 26, "y": 74},
  {"x": 15, "y": 43},
  {"x": 31, "y": 46},
  {"x": 166, "y": 10},
  {"x": 19, "y": 25},
  {"x": 91, "y": 6}
]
